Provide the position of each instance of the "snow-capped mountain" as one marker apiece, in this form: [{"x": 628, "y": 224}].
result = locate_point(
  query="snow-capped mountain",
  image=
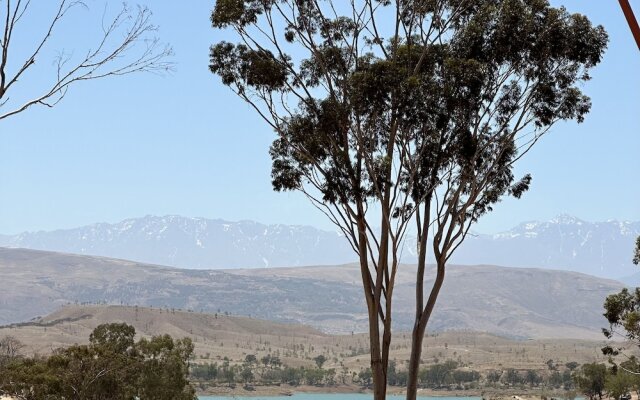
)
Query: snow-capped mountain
[
  {"x": 597, "y": 248},
  {"x": 194, "y": 242},
  {"x": 565, "y": 242}
]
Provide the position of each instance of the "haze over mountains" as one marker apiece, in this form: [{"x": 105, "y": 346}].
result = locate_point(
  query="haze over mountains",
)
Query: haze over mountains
[
  {"x": 514, "y": 302},
  {"x": 194, "y": 243},
  {"x": 601, "y": 249}
]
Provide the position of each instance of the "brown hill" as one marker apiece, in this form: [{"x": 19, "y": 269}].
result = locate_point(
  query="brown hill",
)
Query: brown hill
[
  {"x": 219, "y": 336},
  {"x": 515, "y": 302}
]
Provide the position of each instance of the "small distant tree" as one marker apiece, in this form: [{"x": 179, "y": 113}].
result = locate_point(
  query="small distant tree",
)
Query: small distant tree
[
  {"x": 320, "y": 360},
  {"x": 391, "y": 116},
  {"x": 365, "y": 377},
  {"x": 571, "y": 365},
  {"x": 10, "y": 348},
  {"x": 590, "y": 380},
  {"x": 292, "y": 376},
  {"x": 494, "y": 376},
  {"x": 555, "y": 380},
  {"x": 246, "y": 375},
  {"x": 618, "y": 383},
  {"x": 532, "y": 378},
  {"x": 437, "y": 375},
  {"x": 126, "y": 45},
  {"x": 313, "y": 376},
  {"x": 512, "y": 377}
]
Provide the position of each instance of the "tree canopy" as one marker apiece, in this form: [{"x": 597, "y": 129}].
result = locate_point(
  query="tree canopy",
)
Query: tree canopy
[
  {"x": 590, "y": 380},
  {"x": 622, "y": 311},
  {"x": 112, "y": 366}
]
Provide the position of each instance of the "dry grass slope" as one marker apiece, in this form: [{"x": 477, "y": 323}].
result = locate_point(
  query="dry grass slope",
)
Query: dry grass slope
[
  {"x": 515, "y": 302},
  {"x": 219, "y": 336}
]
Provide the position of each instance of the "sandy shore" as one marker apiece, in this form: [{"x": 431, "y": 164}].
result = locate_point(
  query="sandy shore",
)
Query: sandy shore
[{"x": 286, "y": 390}]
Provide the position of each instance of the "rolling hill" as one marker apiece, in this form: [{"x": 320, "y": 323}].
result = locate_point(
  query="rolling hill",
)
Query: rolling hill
[
  {"x": 218, "y": 336},
  {"x": 514, "y": 302}
]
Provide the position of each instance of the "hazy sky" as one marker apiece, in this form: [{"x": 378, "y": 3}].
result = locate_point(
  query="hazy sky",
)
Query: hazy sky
[{"x": 184, "y": 144}]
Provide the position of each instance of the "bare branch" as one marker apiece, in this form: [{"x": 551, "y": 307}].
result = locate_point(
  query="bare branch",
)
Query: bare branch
[{"x": 127, "y": 46}]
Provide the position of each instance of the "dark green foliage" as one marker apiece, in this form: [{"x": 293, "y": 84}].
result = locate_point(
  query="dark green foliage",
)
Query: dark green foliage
[
  {"x": 112, "y": 366},
  {"x": 438, "y": 375},
  {"x": 519, "y": 56},
  {"x": 365, "y": 377},
  {"x": 571, "y": 365},
  {"x": 320, "y": 360},
  {"x": 590, "y": 380},
  {"x": 313, "y": 376},
  {"x": 618, "y": 383},
  {"x": 532, "y": 378},
  {"x": 165, "y": 369},
  {"x": 205, "y": 372},
  {"x": 115, "y": 337},
  {"x": 622, "y": 310},
  {"x": 271, "y": 372},
  {"x": 258, "y": 68},
  {"x": 395, "y": 377},
  {"x": 513, "y": 377},
  {"x": 292, "y": 376}
]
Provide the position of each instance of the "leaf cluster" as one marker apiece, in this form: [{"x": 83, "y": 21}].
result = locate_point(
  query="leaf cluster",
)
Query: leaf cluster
[{"x": 347, "y": 115}]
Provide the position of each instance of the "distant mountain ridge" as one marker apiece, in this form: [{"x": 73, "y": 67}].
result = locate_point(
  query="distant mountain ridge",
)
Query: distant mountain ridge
[
  {"x": 565, "y": 242},
  {"x": 596, "y": 248},
  {"x": 198, "y": 243}
]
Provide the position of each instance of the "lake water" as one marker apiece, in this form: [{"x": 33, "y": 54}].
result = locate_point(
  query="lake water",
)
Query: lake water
[{"x": 331, "y": 396}]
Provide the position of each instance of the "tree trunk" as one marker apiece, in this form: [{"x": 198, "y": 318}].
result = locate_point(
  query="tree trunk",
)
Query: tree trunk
[
  {"x": 378, "y": 372},
  {"x": 419, "y": 329},
  {"x": 414, "y": 362}
]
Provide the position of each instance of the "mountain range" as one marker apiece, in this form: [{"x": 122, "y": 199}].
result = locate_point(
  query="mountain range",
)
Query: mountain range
[
  {"x": 565, "y": 242},
  {"x": 194, "y": 243},
  {"x": 513, "y": 302}
]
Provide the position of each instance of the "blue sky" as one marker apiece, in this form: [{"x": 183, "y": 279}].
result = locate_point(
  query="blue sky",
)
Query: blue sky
[{"x": 184, "y": 144}]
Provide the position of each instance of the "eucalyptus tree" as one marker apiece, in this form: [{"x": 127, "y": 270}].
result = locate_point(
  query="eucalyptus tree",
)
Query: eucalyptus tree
[{"x": 401, "y": 119}]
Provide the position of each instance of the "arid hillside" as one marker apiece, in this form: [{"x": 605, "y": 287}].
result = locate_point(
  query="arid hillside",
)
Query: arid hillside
[
  {"x": 219, "y": 336},
  {"x": 513, "y": 302}
]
